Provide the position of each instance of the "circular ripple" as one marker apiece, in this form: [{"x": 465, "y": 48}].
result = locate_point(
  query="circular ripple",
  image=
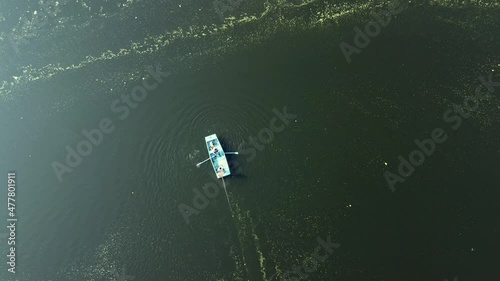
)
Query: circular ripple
[{"x": 170, "y": 148}]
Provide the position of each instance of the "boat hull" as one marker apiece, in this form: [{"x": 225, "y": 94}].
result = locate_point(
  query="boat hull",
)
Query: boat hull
[{"x": 217, "y": 156}]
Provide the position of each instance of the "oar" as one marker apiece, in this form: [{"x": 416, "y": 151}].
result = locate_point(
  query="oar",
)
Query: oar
[{"x": 198, "y": 165}]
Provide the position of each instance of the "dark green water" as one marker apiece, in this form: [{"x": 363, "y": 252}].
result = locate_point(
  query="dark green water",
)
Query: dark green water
[{"x": 118, "y": 212}]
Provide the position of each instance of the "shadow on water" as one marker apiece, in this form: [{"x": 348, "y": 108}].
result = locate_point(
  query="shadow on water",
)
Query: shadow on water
[
  {"x": 225, "y": 144},
  {"x": 236, "y": 170},
  {"x": 238, "y": 175}
]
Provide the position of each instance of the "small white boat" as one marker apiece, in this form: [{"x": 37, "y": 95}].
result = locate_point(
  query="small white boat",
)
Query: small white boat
[{"x": 217, "y": 156}]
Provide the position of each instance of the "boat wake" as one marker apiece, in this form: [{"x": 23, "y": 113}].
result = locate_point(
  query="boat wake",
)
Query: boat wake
[{"x": 227, "y": 197}]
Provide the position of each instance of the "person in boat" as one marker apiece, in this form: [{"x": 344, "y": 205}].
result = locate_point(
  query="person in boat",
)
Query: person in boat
[
  {"x": 213, "y": 149},
  {"x": 220, "y": 171}
]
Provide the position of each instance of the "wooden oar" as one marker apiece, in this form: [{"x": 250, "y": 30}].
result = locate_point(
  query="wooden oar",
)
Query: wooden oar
[{"x": 198, "y": 165}]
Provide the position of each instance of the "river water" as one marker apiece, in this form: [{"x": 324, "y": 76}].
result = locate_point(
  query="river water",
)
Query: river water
[{"x": 316, "y": 136}]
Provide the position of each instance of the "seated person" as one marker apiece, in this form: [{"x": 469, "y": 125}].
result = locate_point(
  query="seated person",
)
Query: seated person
[{"x": 220, "y": 171}]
